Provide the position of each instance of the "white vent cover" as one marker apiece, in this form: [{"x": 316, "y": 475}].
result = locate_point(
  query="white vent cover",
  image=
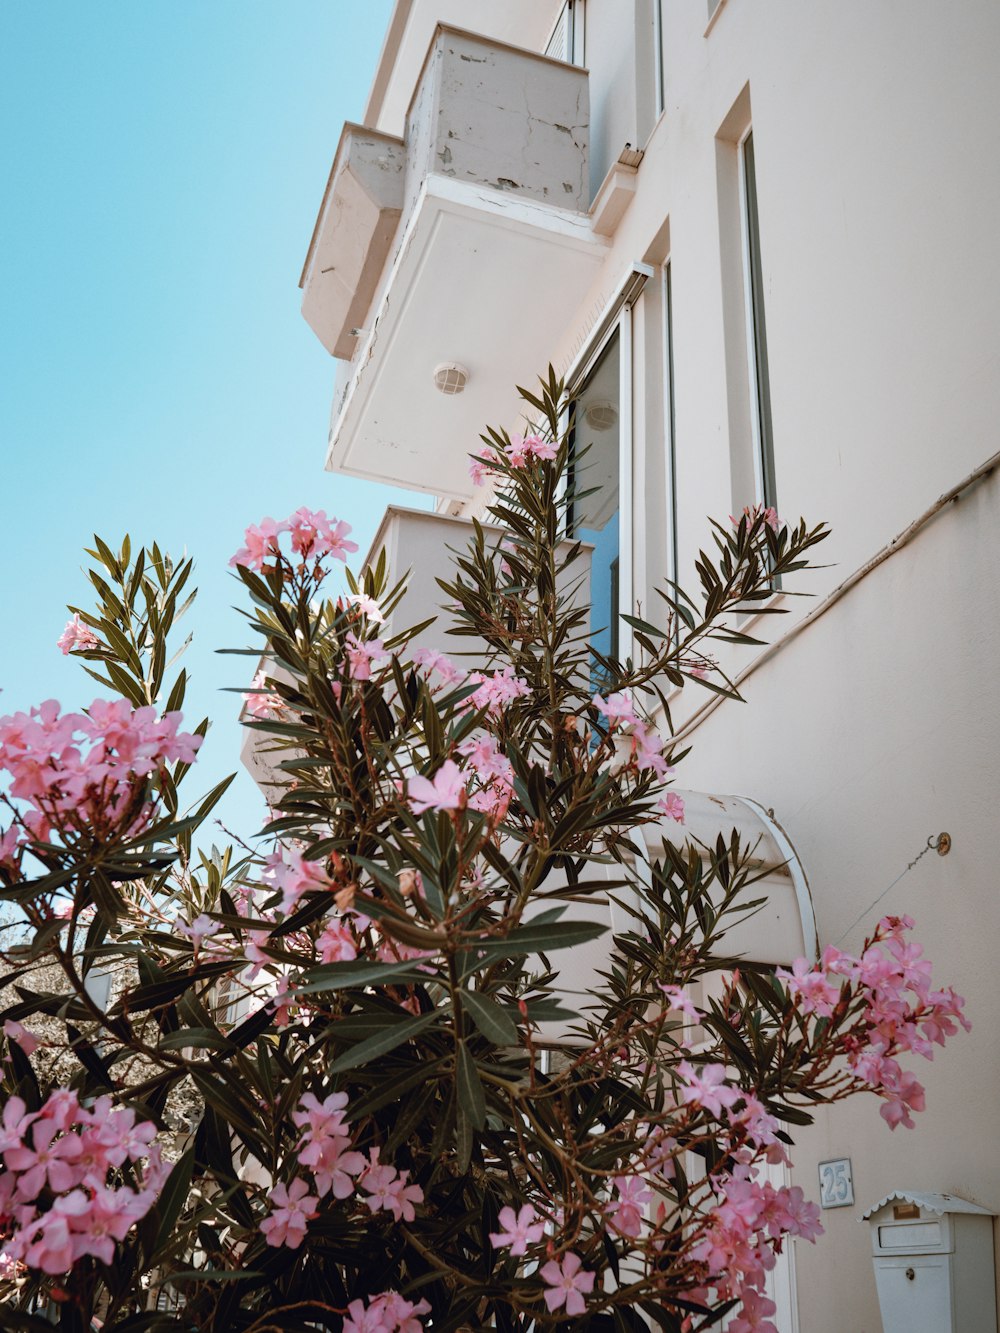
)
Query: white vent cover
[{"x": 450, "y": 378}]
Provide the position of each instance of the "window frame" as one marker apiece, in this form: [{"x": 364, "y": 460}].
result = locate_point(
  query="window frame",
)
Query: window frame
[
  {"x": 758, "y": 371},
  {"x": 617, "y": 317},
  {"x": 572, "y": 13}
]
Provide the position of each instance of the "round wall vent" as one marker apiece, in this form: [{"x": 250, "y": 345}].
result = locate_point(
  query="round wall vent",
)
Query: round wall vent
[{"x": 600, "y": 415}]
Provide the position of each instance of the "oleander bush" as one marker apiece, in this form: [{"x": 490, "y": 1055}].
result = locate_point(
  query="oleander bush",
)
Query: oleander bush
[{"x": 400, "y": 1112}]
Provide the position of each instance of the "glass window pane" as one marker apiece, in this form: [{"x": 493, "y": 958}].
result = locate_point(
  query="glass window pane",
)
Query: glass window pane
[{"x": 594, "y": 487}]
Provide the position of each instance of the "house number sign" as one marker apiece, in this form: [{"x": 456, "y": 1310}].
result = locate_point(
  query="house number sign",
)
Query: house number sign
[{"x": 836, "y": 1186}]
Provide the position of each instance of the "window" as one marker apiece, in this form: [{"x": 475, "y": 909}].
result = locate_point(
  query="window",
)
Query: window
[
  {"x": 566, "y": 41},
  {"x": 594, "y": 487},
  {"x": 760, "y": 387},
  {"x": 649, "y": 91},
  {"x": 670, "y": 469}
]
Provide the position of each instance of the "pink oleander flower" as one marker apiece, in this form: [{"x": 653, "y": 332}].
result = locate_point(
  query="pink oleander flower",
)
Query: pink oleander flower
[
  {"x": 446, "y": 791},
  {"x": 543, "y": 450},
  {"x": 13, "y": 1031},
  {"x": 902, "y": 1094},
  {"x": 566, "y": 1283},
  {"x": 386, "y": 1188},
  {"x": 790, "y": 1213},
  {"x": 11, "y": 1269},
  {"x": 98, "y": 1219},
  {"x": 814, "y": 992},
  {"x": 288, "y": 870},
  {"x": 647, "y": 750},
  {"x": 116, "y": 1133},
  {"x": 14, "y": 1123},
  {"x": 481, "y": 465},
  {"x": 523, "y": 448},
  {"x": 626, "y": 1213},
  {"x": 430, "y": 661},
  {"x": 325, "y": 1143},
  {"x": 292, "y": 1209},
  {"x": 361, "y": 653},
  {"x": 707, "y": 1090},
  {"x": 681, "y": 1001},
  {"x": 518, "y": 1230},
  {"x": 367, "y": 606},
  {"x": 672, "y": 806},
  {"x": 618, "y": 710},
  {"x": 77, "y": 637},
  {"x": 259, "y": 701},
  {"x": 70, "y": 1150},
  {"x": 493, "y": 800},
  {"x": 336, "y": 944},
  {"x": 659, "y": 1152},
  {"x": 283, "y": 1001},
  {"x": 200, "y": 928},
  {"x": 260, "y": 544},
  {"x": 755, "y": 1316},
  {"x": 386, "y": 1313},
  {"x": 49, "y": 1160}
]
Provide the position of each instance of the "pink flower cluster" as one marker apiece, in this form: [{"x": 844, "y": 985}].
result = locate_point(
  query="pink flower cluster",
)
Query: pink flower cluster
[
  {"x": 495, "y": 773},
  {"x": 387, "y": 1312},
  {"x": 78, "y": 770},
  {"x": 77, "y": 637},
  {"x": 449, "y": 789},
  {"x": 899, "y": 1011},
  {"x": 736, "y": 1248},
  {"x": 313, "y": 536},
  {"x": 58, "y": 1195},
  {"x": 522, "y": 450},
  {"x": 769, "y": 515},
  {"x": 337, "y": 1169},
  {"x": 430, "y": 661},
  {"x": 497, "y": 691}
]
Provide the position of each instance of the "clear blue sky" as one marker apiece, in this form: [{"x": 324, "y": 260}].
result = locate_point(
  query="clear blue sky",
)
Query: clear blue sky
[{"x": 162, "y": 166}]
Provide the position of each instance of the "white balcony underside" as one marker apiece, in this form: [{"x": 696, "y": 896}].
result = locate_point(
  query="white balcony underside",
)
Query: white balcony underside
[{"x": 518, "y": 267}]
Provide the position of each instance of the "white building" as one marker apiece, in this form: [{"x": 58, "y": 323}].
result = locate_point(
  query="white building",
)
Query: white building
[{"x": 758, "y": 238}]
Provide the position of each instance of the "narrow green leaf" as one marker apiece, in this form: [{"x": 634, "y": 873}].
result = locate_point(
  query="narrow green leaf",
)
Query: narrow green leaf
[
  {"x": 470, "y": 1088},
  {"x": 495, "y": 1025},
  {"x": 383, "y": 1043}
]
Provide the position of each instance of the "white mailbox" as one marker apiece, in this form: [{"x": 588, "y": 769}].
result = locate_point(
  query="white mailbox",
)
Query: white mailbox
[{"x": 933, "y": 1256}]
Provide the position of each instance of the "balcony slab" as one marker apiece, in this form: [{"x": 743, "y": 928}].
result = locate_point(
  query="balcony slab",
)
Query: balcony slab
[{"x": 481, "y": 277}]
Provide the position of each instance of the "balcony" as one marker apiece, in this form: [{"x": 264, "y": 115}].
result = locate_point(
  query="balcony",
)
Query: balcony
[
  {"x": 353, "y": 234},
  {"x": 493, "y": 248}
]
